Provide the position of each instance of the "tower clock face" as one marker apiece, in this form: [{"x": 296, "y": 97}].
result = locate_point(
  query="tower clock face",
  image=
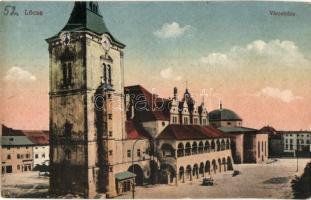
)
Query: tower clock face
[
  {"x": 105, "y": 44},
  {"x": 65, "y": 38}
]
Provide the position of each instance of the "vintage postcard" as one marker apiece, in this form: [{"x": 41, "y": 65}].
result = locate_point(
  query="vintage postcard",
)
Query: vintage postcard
[{"x": 179, "y": 99}]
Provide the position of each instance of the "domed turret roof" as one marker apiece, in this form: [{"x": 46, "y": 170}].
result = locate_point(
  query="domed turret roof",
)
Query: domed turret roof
[{"x": 224, "y": 115}]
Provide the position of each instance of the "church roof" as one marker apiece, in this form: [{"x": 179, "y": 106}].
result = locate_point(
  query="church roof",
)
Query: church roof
[
  {"x": 224, "y": 115},
  {"x": 190, "y": 132}
]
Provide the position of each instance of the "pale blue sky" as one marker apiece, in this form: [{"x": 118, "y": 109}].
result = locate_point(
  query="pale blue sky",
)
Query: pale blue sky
[
  {"x": 215, "y": 26},
  {"x": 220, "y": 48}
]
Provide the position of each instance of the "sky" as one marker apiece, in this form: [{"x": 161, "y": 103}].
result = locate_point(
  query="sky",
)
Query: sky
[{"x": 257, "y": 64}]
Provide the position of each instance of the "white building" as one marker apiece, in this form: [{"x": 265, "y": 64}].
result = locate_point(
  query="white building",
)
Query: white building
[
  {"x": 296, "y": 140},
  {"x": 41, "y": 149}
]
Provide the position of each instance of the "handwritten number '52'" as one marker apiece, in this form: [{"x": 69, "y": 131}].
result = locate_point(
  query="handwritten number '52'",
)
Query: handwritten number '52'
[{"x": 7, "y": 10}]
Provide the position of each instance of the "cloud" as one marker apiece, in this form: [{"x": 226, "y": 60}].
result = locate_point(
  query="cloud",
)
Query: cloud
[
  {"x": 214, "y": 59},
  {"x": 286, "y": 96},
  {"x": 167, "y": 73},
  {"x": 172, "y": 30},
  {"x": 275, "y": 53},
  {"x": 17, "y": 74}
]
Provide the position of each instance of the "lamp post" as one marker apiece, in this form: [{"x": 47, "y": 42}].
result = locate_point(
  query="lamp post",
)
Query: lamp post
[{"x": 133, "y": 185}]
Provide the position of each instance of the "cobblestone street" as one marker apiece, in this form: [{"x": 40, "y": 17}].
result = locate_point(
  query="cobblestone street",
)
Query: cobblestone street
[{"x": 254, "y": 181}]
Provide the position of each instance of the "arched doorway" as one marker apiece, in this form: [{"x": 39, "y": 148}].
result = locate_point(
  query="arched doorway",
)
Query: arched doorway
[
  {"x": 154, "y": 172},
  {"x": 168, "y": 174},
  {"x": 214, "y": 166},
  {"x": 229, "y": 163},
  {"x": 201, "y": 146},
  {"x": 201, "y": 169},
  {"x": 188, "y": 149},
  {"x": 136, "y": 169},
  {"x": 167, "y": 150},
  {"x": 217, "y": 145},
  {"x": 181, "y": 174},
  {"x": 180, "y": 150},
  {"x": 208, "y": 167},
  {"x": 194, "y": 148},
  {"x": 213, "y": 145},
  {"x": 206, "y": 147},
  {"x": 219, "y": 164},
  {"x": 188, "y": 172},
  {"x": 224, "y": 164},
  {"x": 195, "y": 171}
]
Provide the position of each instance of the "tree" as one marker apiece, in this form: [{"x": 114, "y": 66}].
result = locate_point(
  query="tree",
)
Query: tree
[{"x": 302, "y": 185}]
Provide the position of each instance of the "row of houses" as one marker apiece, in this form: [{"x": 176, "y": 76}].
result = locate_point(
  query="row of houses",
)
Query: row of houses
[{"x": 23, "y": 150}]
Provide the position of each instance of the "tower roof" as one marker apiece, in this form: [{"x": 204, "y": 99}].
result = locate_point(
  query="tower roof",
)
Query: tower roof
[
  {"x": 86, "y": 16},
  {"x": 224, "y": 115}
]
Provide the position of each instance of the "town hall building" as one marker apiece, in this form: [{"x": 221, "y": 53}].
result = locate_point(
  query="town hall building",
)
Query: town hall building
[{"x": 100, "y": 141}]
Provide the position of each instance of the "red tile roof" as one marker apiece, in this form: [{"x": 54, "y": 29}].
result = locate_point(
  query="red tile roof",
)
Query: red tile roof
[
  {"x": 153, "y": 110},
  {"x": 39, "y": 137},
  {"x": 190, "y": 132},
  {"x": 134, "y": 131}
]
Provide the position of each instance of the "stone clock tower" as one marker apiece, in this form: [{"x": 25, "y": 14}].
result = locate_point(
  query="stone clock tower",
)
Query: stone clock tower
[{"x": 86, "y": 104}]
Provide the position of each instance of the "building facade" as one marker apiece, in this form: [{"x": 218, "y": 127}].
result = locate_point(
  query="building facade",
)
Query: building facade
[
  {"x": 88, "y": 134},
  {"x": 16, "y": 154},
  {"x": 248, "y": 145},
  {"x": 185, "y": 146},
  {"x": 293, "y": 141},
  {"x": 18, "y": 144}
]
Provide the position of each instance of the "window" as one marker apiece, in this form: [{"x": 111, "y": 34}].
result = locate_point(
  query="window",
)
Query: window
[
  {"x": 174, "y": 120},
  {"x": 22, "y": 156},
  {"x": 18, "y": 167},
  {"x": 163, "y": 123},
  {"x": 258, "y": 149},
  {"x": 18, "y": 156},
  {"x": 110, "y": 133},
  {"x": 128, "y": 153},
  {"x": 26, "y": 147},
  {"x": 27, "y": 155},
  {"x": 109, "y": 74},
  {"x": 110, "y": 169},
  {"x": 104, "y": 73},
  {"x": 36, "y": 156},
  {"x": 110, "y": 153},
  {"x": 204, "y": 121},
  {"x": 36, "y": 147},
  {"x": 185, "y": 120},
  {"x": 265, "y": 148},
  {"x": 110, "y": 116},
  {"x": 67, "y": 74},
  {"x": 67, "y": 154},
  {"x": 43, "y": 155},
  {"x": 8, "y": 157},
  {"x": 138, "y": 152},
  {"x": 229, "y": 123}
]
